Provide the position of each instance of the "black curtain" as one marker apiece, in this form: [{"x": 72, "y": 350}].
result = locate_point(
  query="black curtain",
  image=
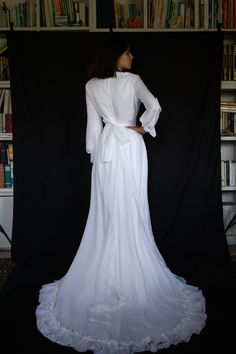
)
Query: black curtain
[{"x": 52, "y": 169}]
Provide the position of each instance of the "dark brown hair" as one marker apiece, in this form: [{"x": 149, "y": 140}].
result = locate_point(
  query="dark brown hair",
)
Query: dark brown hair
[{"x": 104, "y": 64}]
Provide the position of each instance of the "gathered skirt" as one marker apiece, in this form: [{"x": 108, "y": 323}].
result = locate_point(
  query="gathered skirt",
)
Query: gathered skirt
[{"x": 119, "y": 296}]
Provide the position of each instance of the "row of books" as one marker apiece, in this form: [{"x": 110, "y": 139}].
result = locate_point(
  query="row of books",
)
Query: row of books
[
  {"x": 229, "y": 61},
  {"x": 6, "y": 175},
  {"x": 6, "y": 125},
  {"x": 227, "y": 118},
  {"x": 167, "y": 13},
  {"x": 3, "y": 45},
  {"x": 21, "y": 13},
  {"x": 228, "y": 173},
  {"x": 6, "y": 165},
  {"x": 128, "y": 14},
  {"x": 52, "y": 13},
  {"x": 182, "y": 14},
  {"x": 229, "y": 212},
  {"x": 228, "y": 13},
  {"x": 4, "y": 68},
  {"x": 5, "y": 111},
  {"x": 6, "y": 153},
  {"x": 228, "y": 123},
  {"x": 122, "y": 13},
  {"x": 64, "y": 13},
  {"x": 5, "y": 100}
]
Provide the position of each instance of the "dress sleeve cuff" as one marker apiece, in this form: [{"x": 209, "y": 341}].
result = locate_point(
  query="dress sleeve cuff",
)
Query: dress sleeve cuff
[{"x": 150, "y": 130}]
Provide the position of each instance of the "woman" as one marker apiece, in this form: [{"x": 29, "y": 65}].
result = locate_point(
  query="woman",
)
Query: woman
[{"x": 118, "y": 295}]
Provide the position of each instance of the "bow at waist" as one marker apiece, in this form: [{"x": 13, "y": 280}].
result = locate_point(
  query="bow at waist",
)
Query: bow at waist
[{"x": 114, "y": 134}]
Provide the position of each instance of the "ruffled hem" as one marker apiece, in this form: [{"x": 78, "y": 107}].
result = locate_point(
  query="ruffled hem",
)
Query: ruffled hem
[{"x": 193, "y": 322}]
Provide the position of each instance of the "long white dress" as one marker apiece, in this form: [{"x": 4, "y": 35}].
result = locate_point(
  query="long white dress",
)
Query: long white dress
[{"x": 118, "y": 295}]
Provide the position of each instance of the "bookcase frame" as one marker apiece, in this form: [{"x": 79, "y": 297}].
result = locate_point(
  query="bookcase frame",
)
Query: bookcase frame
[
  {"x": 92, "y": 19},
  {"x": 228, "y": 152},
  {"x": 5, "y": 192},
  {"x": 6, "y": 197}
]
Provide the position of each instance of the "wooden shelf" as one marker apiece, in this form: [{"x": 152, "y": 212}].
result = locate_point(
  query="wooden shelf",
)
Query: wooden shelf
[
  {"x": 228, "y": 138},
  {"x": 5, "y": 136},
  {"x": 228, "y": 189},
  {"x": 5, "y": 84},
  {"x": 6, "y": 192},
  {"x": 228, "y": 85}
]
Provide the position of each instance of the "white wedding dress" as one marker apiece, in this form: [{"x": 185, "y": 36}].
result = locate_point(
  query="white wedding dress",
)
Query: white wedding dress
[{"x": 118, "y": 295}]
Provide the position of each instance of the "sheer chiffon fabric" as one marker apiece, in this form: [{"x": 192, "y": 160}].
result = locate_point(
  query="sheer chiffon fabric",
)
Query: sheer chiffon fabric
[{"x": 118, "y": 295}]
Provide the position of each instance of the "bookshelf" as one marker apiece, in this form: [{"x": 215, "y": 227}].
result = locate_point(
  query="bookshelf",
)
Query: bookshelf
[
  {"x": 6, "y": 149},
  {"x": 228, "y": 139},
  {"x": 46, "y": 15},
  {"x": 121, "y": 15}
]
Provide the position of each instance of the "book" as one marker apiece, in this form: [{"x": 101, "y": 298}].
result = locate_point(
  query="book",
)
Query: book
[
  {"x": 3, "y": 153},
  {"x": 2, "y": 99},
  {"x": 10, "y": 152},
  {"x": 8, "y": 123},
  {"x": 5, "y": 136},
  {"x": 229, "y": 212},
  {"x": 3, "y": 41},
  {"x": 2, "y": 178},
  {"x": 12, "y": 173},
  {"x": 5, "y": 109},
  {"x": 1, "y": 123},
  {"x": 7, "y": 175}
]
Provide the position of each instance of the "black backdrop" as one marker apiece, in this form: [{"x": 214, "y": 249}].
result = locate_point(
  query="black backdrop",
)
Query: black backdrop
[{"x": 52, "y": 169}]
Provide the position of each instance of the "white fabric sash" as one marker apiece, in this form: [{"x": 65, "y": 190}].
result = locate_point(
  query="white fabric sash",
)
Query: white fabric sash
[{"x": 113, "y": 133}]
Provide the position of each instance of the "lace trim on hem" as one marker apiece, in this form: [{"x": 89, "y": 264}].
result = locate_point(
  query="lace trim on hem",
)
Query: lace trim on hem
[{"x": 192, "y": 323}]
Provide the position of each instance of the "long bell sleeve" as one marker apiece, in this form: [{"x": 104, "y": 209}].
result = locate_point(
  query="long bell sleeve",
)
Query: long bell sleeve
[
  {"x": 93, "y": 128},
  {"x": 152, "y": 107}
]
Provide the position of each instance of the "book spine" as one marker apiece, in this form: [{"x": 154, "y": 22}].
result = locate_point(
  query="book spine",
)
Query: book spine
[
  {"x": 2, "y": 177},
  {"x": 7, "y": 175}
]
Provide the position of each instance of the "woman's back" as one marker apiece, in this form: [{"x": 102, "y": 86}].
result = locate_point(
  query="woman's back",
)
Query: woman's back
[{"x": 115, "y": 97}]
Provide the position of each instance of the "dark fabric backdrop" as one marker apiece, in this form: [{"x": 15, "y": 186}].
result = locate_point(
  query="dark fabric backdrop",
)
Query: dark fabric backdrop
[{"x": 52, "y": 169}]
